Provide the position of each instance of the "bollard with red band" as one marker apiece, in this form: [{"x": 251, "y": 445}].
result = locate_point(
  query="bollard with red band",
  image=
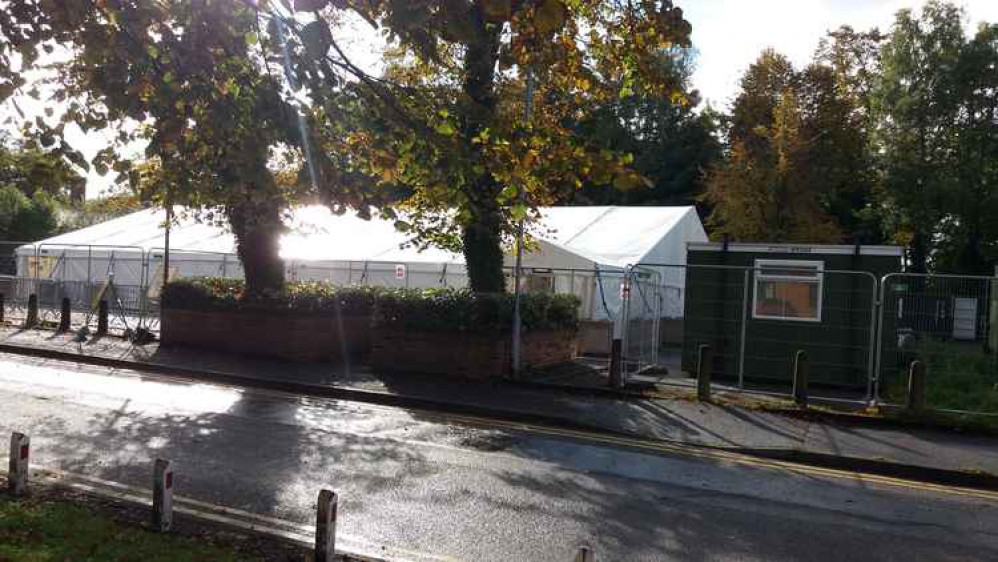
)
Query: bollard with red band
[
  {"x": 325, "y": 527},
  {"x": 162, "y": 496},
  {"x": 17, "y": 470}
]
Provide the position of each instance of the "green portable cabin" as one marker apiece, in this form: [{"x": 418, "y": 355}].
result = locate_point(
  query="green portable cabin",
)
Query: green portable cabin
[{"x": 757, "y": 304}]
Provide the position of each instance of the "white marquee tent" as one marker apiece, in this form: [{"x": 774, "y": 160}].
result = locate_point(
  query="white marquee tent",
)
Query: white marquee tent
[{"x": 582, "y": 250}]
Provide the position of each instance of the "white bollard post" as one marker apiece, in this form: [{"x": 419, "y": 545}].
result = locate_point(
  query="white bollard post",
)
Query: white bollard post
[
  {"x": 325, "y": 527},
  {"x": 162, "y": 496},
  {"x": 585, "y": 555},
  {"x": 17, "y": 470}
]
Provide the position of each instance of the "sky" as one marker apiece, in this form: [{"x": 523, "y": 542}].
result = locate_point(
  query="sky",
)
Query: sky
[{"x": 730, "y": 34}]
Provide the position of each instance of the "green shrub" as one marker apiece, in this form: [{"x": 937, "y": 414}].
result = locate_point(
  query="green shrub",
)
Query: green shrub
[
  {"x": 430, "y": 310},
  {"x": 959, "y": 376},
  {"x": 214, "y": 293},
  {"x": 449, "y": 310}
]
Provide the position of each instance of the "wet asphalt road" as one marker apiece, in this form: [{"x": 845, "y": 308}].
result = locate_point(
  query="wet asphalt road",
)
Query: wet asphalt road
[{"x": 414, "y": 486}]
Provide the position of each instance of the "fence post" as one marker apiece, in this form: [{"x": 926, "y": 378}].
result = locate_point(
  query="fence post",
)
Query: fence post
[
  {"x": 2, "y": 306},
  {"x": 585, "y": 555},
  {"x": 32, "y": 317},
  {"x": 162, "y": 495},
  {"x": 705, "y": 368},
  {"x": 325, "y": 527},
  {"x": 17, "y": 470},
  {"x": 743, "y": 328},
  {"x": 64, "y": 314},
  {"x": 102, "y": 312},
  {"x": 916, "y": 387},
  {"x": 616, "y": 365},
  {"x": 800, "y": 378}
]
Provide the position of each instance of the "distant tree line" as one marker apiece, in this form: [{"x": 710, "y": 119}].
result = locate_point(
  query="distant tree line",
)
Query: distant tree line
[
  {"x": 884, "y": 138},
  {"x": 42, "y": 194}
]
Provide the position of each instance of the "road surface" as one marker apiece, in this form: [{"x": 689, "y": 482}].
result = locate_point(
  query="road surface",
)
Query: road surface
[{"x": 421, "y": 486}]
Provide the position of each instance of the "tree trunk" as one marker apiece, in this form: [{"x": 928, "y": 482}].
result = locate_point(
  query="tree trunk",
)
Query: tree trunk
[
  {"x": 482, "y": 235},
  {"x": 919, "y": 253},
  {"x": 258, "y": 229},
  {"x": 483, "y": 256}
]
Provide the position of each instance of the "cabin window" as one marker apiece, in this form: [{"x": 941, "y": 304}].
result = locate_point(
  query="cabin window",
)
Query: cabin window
[{"x": 788, "y": 290}]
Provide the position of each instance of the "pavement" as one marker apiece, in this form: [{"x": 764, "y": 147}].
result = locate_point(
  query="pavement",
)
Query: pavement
[
  {"x": 912, "y": 452},
  {"x": 416, "y": 485}
]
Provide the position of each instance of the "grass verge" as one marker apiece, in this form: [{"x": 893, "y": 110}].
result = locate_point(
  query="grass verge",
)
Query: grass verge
[{"x": 43, "y": 530}]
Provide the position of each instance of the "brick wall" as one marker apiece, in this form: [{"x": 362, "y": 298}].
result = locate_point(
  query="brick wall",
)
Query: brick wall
[
  {"x": 293, "y": 337},
  {"x": 467, "y": 355}
]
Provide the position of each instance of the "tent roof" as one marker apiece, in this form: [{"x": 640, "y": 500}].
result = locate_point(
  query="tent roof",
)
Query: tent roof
[{"x": 615, "y": 236}]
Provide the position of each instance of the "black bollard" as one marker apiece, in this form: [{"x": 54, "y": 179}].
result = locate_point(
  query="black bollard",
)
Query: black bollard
[
  {"x": 102, "y": 318},
  {"x": 800, "y": 378},
  {"x": 64, "y": 314},
  {"x": 32, "y": 318}
]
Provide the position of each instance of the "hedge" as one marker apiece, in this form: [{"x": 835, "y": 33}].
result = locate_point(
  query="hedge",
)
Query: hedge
[
  {"x": 450, "y": 310},
  {"x": 432, "y": 310},
  {"x": 216, "y": 293}
]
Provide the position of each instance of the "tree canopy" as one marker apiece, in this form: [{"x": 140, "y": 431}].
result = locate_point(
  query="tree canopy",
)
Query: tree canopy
[
  {"x": 447, "y": 125},
  {"x": 895, "y": 141},
  {"x": 672, "y": 144},
  {"x": 795, "y": 167},
  {"x": 484, "y": 110},
  {"x": 221, "y": 88}
]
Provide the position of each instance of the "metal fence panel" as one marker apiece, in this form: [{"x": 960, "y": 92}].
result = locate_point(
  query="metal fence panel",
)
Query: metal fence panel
[
  {"x": 948, "y": 323},
  {"x": 860, "y": 348},
  {"x": 642, "y": 313}
]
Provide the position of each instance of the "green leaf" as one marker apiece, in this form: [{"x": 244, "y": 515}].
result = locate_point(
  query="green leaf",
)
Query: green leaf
[
  {"x": 252, "y": 38},
  {"x": 317, "y": 38},
  {"x": 518, "y": 212},
  {"x": 446, "y": 128}
]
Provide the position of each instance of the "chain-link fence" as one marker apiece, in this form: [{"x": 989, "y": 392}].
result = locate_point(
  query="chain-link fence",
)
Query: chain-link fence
[{"x": 948, "y": 323}]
